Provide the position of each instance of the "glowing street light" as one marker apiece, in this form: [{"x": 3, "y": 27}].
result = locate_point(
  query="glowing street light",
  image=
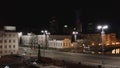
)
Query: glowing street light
[
  {"x": 75, "y": 35},
  {"x": 20, "y": 34},
  {"x": 19, "y": 37},
  {"x": 6, "y": 67},
  {"x": 102, "y": 27},
  {"x": 46, "y": 33}
]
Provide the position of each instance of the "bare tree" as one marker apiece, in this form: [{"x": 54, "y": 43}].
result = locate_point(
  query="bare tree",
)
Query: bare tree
[{"x": 33, "y": 41}]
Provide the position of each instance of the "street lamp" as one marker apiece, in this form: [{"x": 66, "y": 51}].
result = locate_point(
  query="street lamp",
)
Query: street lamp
[
  {"x": 75, "y": 35},
  {"x": 19, "y": 37},
  {"x": 46, "y": 33},
  {"x": 102, "y": 27}
]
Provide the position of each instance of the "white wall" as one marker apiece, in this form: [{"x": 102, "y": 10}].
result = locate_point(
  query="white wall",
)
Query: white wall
[{"x": 9, "y": 43}]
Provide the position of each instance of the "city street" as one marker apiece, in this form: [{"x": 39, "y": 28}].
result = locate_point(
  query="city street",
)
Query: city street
[{"x": 87, "y": 59}]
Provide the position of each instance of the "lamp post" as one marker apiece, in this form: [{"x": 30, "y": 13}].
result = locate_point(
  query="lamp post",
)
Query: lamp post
[
  {"x": 46, "y": 33},
  {"x": 19, "y": 36},
  {"x": 102, "y": 28},
  {"x": 75, "y": 35}
]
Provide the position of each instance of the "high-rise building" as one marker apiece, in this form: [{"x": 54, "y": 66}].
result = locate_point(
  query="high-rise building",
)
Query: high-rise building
[
  {"x": 90, "y": 27},
  {"x": 78, "y": 23},
  {"x": 53, "y": 25}
]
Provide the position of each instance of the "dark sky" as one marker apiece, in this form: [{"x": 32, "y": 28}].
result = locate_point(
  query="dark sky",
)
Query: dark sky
[{"x": 36, "y": 15}]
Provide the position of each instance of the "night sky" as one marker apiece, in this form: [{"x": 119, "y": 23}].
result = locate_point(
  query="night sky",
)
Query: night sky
[{"x": 36, "y": 15}]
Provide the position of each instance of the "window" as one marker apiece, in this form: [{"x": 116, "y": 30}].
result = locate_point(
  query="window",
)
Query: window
[
  {"x": 9, "y": 35},
  {"x": 13, "y": 35},
  {"x": 9, "y": 46},
  {"x": 13, "y": 41},
  {"x": 0, "y": 46},
  {"x": 5, "y": 51},
  {"x": 9, "y": 41},
  {"x": 5, "y": 41},
  {"x": 13, "y": 46},
  {"x": 5, "y": 46}
]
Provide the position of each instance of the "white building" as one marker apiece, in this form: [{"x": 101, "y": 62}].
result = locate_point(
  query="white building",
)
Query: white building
[
  {"x": 28, "y": 40},
  {"x": 55, "y": 44},
  {"x": 65, "y": 43},
  {"x": 25, "y": 40},
  {"x": 60, "y": 41},
  {"x": 52, "y": 41},
  {"x": 8, "y": 43}
]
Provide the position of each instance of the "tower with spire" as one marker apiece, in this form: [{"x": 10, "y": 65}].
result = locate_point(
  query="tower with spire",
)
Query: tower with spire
[
  {"x": 53, "y": 27},
  {"x": 78, "y": 24}
]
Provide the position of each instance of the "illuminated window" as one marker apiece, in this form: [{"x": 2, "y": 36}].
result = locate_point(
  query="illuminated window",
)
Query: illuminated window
[
  {"x": 107, "y": 44},
  {"x": 93, "y": 44},
  {"x": 99, "y": 44},
  {"x": 113, "y": 43},
  {"x": 117, "y": 43}
]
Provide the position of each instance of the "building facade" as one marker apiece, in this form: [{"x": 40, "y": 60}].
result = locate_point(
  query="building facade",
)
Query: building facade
[
  {"x": 52, "y": 41},
  {"x": 8, "y": 43},
  {"x": 66, "y": 43},
  {"x": 95, "y": 39}
]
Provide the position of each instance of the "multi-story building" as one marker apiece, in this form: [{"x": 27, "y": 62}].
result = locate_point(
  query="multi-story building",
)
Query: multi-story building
[
  {"x": 8, "y": 43},
  {"x": 60, "y": 41},
  {"x": 53, "y": 41},
  {"x": 53, "y": 25},
  {"x": 95, "y": 39}
]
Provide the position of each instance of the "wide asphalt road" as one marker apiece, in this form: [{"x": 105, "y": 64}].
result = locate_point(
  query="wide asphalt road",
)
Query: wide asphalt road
[{"x": 108, "y": 61}]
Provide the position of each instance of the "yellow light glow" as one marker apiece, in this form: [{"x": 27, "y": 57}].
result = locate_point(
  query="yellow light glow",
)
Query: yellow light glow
[
  {"x": 117, "y": 43},
  {"x": 93, "y": 43},
  {"x": 113, "y": 51},
  {"x": 99, "y": 44},
  {"x": 113, "y": 43},
  {"x": 107, "y": 44},
  {"x": 116, "y": 51}
]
